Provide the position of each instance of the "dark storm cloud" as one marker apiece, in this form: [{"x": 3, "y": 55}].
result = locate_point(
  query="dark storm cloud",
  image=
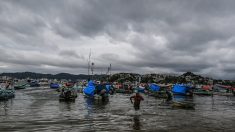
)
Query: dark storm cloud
[{"x": 133, "y": 35}]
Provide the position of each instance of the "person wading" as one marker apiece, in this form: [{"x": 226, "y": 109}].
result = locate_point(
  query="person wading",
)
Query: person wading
[{"x": 137, "y": 99}]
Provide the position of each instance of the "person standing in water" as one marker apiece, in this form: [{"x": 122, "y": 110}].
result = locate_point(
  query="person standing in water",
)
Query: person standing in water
[
  {"x": 137, "y": 99},
  {"x": 8, "y": 85}
]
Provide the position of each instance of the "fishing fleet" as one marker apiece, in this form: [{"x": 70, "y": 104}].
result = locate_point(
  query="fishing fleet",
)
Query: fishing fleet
[{"x": 101, "y": 90}]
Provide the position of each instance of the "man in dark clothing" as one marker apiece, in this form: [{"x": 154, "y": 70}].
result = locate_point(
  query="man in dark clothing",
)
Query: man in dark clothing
[
  {"x": 169, "y": 96},
  {"x": 137, "y": 99}
]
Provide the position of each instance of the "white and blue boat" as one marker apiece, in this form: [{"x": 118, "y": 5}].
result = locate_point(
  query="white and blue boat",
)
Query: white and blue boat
[{"x": 6, "y": 94}]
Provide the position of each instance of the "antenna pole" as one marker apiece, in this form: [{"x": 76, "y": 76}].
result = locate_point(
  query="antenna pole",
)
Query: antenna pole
[
  {"x": 110, "y": 69},
  {"x": 89, "y": 61}
]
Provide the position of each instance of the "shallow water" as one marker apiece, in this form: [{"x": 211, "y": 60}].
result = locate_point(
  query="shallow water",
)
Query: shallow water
[{"x": 38, "y": 109}]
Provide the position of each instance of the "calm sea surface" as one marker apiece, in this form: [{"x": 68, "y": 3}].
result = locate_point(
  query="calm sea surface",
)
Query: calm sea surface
[{"x": 38, "y": 109}]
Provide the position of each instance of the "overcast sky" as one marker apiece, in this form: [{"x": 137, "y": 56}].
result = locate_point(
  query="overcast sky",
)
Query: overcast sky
[{"x": 142, "y": 36}]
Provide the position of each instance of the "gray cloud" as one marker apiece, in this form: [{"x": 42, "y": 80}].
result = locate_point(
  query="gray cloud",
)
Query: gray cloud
[
  {"x": 134, "y": 35},
  {"x": 71, "y": 53}
]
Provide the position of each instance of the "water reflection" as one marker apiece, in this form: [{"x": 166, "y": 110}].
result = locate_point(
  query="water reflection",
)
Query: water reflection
[
  {"x": 179, "y": 98},
  {"x": 92, "y": 103},
  {"x": 66, "y": 105},
  {"x": 136, "y": 122},
  {"x": 89, "y": 106},
  {"x": 212, "y": 102},
  {"x": 95, "y": 105},
  {"x": 183, "y": 102},
  {"x": 4, "y": 108}
]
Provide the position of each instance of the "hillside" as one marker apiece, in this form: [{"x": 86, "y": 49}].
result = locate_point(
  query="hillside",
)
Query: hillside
[
  {"x": 23, "y": 75},
  {"x": 187, "y": 77}
]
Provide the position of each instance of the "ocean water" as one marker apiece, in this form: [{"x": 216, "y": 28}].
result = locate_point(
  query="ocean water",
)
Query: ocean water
[{"x": 39, "y": 109}]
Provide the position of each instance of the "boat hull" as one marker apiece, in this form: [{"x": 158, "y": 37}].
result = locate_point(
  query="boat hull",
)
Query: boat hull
[
  {"x": 203, "y": 92},
  {"x": 19, "y": 87},
  {"x": 7, "y": 94}
]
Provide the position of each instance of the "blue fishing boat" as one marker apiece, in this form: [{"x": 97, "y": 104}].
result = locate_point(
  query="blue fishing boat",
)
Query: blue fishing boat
[
  {"x": 100, "y": 91},
  {"x": 157, "y": 91},
  {"x": 54, "y": 85}
]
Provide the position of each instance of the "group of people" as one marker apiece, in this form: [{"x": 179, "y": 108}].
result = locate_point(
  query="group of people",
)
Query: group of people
[
  {"x": 138, "y": 98},
  {"x": 67, "y": 91},
  {"x": 103, "y": 88}
]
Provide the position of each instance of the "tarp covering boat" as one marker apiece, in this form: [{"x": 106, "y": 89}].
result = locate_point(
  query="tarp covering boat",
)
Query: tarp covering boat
[
  {"x": 90, "y": 89},
  {"x": 180, "y": 89},
  {"x": 154, "y": 87}
]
